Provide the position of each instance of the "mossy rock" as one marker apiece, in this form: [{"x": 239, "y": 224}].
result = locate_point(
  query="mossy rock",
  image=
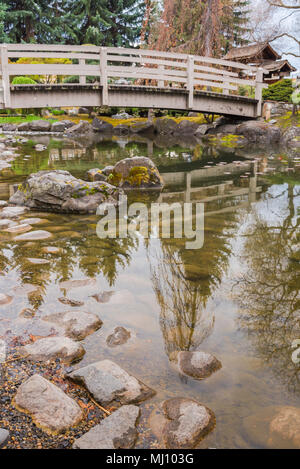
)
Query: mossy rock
[{"x": 136, "y": 173}]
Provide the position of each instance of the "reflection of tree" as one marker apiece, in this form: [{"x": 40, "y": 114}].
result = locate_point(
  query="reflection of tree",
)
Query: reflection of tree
[
  {"x": 184, "y": 280},
  {"x": 269, "y": 291}
]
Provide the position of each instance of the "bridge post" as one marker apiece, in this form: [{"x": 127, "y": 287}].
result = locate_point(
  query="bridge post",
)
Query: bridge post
[
  {"x": 5, "y": 76},
  {"x": 103, "y": 75},
  {"x": 190, "y": 81},
  {"x": 258, "y": 90},
  {"x": 82, "y": 78}
]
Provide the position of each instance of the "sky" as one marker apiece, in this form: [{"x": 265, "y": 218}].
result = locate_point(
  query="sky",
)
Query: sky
[{"x": 277, "y": 20}]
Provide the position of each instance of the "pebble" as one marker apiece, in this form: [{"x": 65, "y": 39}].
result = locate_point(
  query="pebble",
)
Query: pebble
[{"x": 4, "y": 436}]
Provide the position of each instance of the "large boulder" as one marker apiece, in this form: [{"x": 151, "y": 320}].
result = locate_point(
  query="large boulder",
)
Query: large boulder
[
  {"x": 138, "y": 172},
  {"x": 24, "y": 127},
  {"x": 118, "y": 431},
  {"x": 181, "y": 423},
  {"x": 291, "y": 137},
  {"x": 102, "y": 126},
  {"x": 186, "y": 127},
  {"x": 50, "y": 408},
  {"x": 259, "y": 132},
  {"x": 165, "y": 126},
  {"x": 142, "y": 127},
  {"x": 83, "y": 128},
  {"x": 110, "y": 384},
  {"x": 61, "y": 126},
  {"x": 95, "y": 175},
  {"x": 40, "y": 126},
  {"x": 51, "y": 348},
  {"x": 59, "y": 191},
  {"x": 9, "y": 127}
]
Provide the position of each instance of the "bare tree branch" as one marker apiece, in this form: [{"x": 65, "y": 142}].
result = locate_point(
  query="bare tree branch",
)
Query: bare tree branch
[{"x": 281, "y": 4}]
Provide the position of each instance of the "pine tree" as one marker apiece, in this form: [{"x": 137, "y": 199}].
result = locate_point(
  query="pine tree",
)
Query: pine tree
[
  {"x": 106, "y": 22},
  {"x": 3, "y": 36},
  {"x": 34, "y": 20}
]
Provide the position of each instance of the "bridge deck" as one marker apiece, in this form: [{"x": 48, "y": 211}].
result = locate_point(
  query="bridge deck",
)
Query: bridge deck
[{"x": 151, "y": 79}]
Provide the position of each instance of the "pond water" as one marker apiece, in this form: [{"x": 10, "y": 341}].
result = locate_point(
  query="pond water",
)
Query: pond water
[{"x": 237, "y": 297}]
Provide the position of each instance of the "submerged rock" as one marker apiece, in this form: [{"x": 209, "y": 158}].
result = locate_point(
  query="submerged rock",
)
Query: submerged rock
[
  {"x": 118, "y": 431},
  {"x": 111, "y": 384},
  {"x": 59, "y": 191},
  {"x": 77, "y": 324},
  {"x": 70, "y": 302},
  {"x": 51, "y": 348},
  {"x": 50, "y": 408},
  {"x": 274, "y": 427},
  {"x": 119, "y": 337},
  {"x": 197, "y": 365},
  {"x": 138, "y": 172},
  {"x": 23, "y": 228},
  {"x": 181, "y": 423}
]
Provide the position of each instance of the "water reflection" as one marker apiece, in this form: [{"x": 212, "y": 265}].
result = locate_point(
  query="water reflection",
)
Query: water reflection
[{"x": 269, "y": 290}]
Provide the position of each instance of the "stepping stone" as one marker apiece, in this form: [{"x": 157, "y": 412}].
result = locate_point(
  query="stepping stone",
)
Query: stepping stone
[
  {"x": 12, "y": 212},
  {"x": 118, "y": 431},
  {"x": 51, "y": 348},
  {"x": 111, "y": 384},
  {"x": 119, "y": 337},
  {"x": 19, "y": 228},
  {"x": 4, "y": 437},
  {"x": 2, "y": 351},
  {"x": 77, "y": 324},
  {"x": 51, "y": 250},
  {"x": 181, "y": 423},
  {"x": 37, "y": 261},
  {"x": 197, "y": 365},
  {"x": 50, "y": 408},
  {"x": 3, "y": 203},
  {"x": 5, "y": 299},
  {"x": 34, "y": 235},
  {"x": 24, "y": 289},
  {"x": 33, "y": 221},
  {"x": 7, "y": 223}
]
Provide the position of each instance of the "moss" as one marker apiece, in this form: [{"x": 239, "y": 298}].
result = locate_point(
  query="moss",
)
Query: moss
[
  {"x": 230, "y": 140},
  {"x": 138, "y": 175}
]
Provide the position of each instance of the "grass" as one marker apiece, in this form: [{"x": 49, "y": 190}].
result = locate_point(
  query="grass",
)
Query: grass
[
  {"x": 20, "y": 120},
  {"x": 288, "y": 120}
]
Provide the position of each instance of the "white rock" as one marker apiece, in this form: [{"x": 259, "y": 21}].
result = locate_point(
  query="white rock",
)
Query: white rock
[
  {"x": 77, "y": 324},
  {"x": 118, "y": 431},
  {"x": 2, "y": 351},
  {"x": 50, "y": 408},
  {"x": 51, "y": 348}
]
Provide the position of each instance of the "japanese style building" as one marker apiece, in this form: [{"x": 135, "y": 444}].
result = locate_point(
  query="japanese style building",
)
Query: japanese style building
[{"x": 264, "y": 55}]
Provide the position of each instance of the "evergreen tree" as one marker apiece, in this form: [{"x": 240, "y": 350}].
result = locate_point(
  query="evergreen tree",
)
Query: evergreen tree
[
  {"x": 3, "y": 36},
  {"x": 34, "y": 20},
  {"x": 106, "y": 22}
]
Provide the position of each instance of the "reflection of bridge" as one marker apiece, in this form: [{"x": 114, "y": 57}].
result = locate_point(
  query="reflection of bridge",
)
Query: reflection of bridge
[
  {"x": 145, "y": 79},
  {"x": 213, "y": 191}
]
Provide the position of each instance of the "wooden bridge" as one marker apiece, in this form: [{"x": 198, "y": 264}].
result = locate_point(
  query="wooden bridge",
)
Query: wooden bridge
[{"x": 127, "y": 78}]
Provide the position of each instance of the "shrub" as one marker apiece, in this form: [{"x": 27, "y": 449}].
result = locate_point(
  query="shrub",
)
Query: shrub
[
  {"x": 71, "y": 79},
  {"x": 23, "y": 81},
  {"x": 280, "y": 91}
]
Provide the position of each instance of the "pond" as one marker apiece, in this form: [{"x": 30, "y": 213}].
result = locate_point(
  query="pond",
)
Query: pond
[{"x": 237, "y": 297}]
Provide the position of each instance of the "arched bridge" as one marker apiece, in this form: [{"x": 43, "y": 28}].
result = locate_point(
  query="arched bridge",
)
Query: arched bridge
[{"x": 127, "y": 78}]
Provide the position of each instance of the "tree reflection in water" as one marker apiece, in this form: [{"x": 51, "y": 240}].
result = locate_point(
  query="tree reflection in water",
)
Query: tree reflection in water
[{"x": 268, "y": 291}]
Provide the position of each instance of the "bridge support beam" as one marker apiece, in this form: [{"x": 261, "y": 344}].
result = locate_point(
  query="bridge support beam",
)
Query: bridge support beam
[
  {"x": 5, "y": 77},
  {"x": 103, "y": 75},
  {"x": 190, "y": 81}
]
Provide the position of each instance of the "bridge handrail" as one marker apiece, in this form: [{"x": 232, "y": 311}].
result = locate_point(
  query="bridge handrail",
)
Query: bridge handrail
[{"x": 144, "y": 66}]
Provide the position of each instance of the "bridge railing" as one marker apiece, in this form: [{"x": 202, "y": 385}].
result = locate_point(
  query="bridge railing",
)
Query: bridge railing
[{"x": 135, "y": 67}]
